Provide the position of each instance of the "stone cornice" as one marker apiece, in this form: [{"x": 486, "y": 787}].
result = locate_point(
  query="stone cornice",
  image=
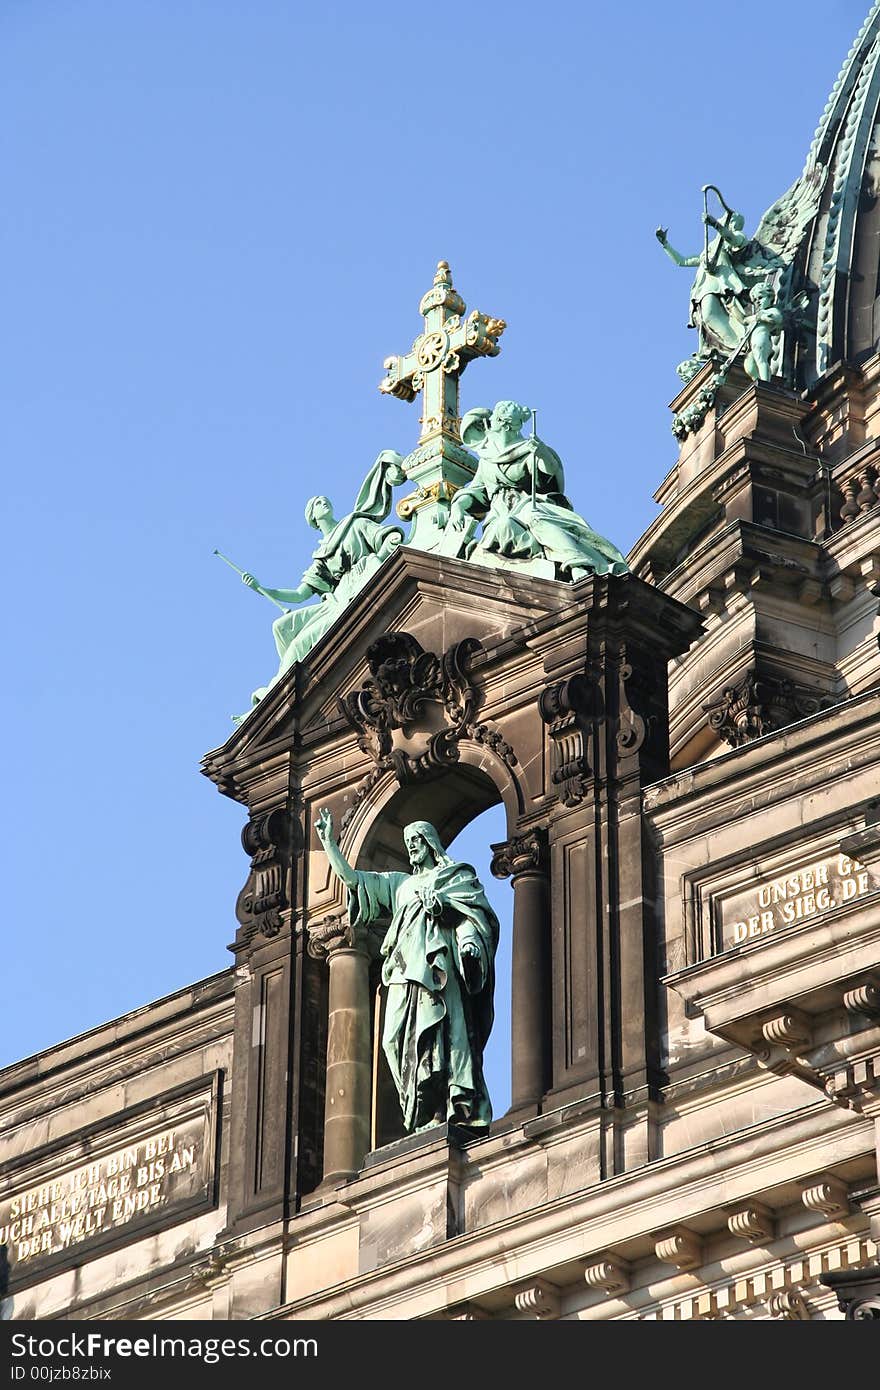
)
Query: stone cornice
[{"x": 620, "y": 1213}]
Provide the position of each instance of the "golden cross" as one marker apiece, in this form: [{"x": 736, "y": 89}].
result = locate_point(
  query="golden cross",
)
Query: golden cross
[{"x": 439, "y": 356}]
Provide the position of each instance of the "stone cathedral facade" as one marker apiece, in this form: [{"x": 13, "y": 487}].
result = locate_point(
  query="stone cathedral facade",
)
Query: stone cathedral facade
[{"x": 688, "y": 758}]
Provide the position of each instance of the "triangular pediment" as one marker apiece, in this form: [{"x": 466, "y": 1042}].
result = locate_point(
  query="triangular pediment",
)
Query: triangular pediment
[{"x": 438, "y": 600}]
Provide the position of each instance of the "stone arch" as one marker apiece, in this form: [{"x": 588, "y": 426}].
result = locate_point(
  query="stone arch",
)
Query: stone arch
[{"x": 450, "y": 800}]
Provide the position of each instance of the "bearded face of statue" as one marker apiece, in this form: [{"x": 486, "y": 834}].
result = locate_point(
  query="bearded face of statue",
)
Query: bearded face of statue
[{"x": 418, "y": 850}]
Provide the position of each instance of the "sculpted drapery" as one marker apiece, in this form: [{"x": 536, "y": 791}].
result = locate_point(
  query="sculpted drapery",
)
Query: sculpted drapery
[{"x": 438, "y": 971}]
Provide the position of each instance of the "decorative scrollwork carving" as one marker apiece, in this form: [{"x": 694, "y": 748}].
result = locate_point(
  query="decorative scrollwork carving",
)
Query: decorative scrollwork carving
[
  {"x": 757, "y": 706},
  {"x": 421, "y": 695},
  {"x": 330, "y": 934},
  {"x": 405, "y": 683},
  {"x": 268, "y": 838},
  {"x": 631, "y": 727},
  {"x": 567, "y": 709},
  {"x": 522, "y": 854}
]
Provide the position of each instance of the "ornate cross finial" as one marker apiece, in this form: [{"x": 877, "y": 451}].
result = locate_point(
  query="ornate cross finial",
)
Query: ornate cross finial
[{"x": 439, "y": 355}]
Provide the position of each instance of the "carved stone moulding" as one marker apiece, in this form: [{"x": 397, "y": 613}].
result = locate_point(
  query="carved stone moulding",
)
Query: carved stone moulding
[
  {"x": 678, "y": 1246},
  {"x": 414, "y": 710},
  {"x": 522, "y": 854},
  {"x": 538, "y": 1300},
  {"x": 269, "y": 837},
  {"x": 758, "y": 705},
  {"x": 609, "y": 1273}
]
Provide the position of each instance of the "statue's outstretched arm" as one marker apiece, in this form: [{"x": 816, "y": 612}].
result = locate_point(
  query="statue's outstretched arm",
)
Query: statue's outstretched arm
[
  {"x": 671, "y": 252},
  {"x": 306, "y": 589},
  {"x": 338, "y": 863}
]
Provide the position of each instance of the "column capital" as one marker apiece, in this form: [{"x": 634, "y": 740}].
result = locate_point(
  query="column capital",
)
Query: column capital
[
  {"x": 333, "y": 933},
  {"x": 521, "y": 854}
]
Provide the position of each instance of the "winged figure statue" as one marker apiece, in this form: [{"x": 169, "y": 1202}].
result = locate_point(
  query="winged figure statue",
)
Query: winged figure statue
[{"x": 731, "y": 266}]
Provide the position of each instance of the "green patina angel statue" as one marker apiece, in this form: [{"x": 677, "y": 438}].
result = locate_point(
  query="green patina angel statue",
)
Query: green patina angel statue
[
  {"x": 732, "y": 265},
  {"x": 438, "y": 970}
]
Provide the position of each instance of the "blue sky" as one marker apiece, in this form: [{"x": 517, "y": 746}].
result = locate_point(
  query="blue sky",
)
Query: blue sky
[{"x": 218, "y": 219}]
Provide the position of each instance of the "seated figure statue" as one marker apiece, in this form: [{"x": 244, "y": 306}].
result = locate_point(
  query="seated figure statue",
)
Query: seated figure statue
[
  {"x": 518, "y": 492},
  {"x": 350, "y": 551}
]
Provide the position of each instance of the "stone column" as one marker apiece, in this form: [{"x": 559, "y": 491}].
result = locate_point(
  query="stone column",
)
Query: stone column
[
  {"x": 347, "y": 1099},
  {"x": 524, "y": 859}
]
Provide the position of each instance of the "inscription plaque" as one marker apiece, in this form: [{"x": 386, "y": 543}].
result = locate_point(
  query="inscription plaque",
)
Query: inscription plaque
[
  {"x": 797, "y": 895},
  {"x": 133, "y": 1175}
]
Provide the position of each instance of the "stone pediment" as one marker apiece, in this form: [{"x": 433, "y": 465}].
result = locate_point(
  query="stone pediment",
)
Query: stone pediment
[{"x": 439, "y": 601}]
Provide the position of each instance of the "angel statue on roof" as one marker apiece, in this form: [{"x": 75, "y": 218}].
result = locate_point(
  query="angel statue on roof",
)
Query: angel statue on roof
[{"x": 731, "y": 267}]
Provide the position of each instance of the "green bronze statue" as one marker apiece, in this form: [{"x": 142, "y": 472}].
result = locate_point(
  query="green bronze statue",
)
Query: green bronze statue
[
  {"x": 518, "y": 493},
  {"x": 351, "y": 550},
  {"x": 732, "y": 266},
  {"x": 438, "y": 969},
  {"x": 761, "y": 331}
]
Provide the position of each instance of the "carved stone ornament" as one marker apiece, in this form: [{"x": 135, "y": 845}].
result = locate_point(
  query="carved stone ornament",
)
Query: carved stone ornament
[
  {"x": 268, "y": 838},
  {"x": 757, "y": 706},
  {"x": 538, "y": 1300},
  {"x": 567, "y": 710},
  {"x": 332, "y": 933},
  {"x": 789, "y": 1305},
  {"x": 526, "y": 853},
  {"x": 679, "y": 1247},
  {"x": 608, "y": 1273},
  {"x": 752, "y": 1222},
  {"x": 414, "y": 709},
  {"x": 858, "y": 1292}
]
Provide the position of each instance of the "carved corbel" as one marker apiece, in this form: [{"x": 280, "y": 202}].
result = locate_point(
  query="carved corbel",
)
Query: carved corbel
[
  {"x": 632, "y": 728},
  {"x": 679, "y": 1247},
  {"x": 568, "y": 710},
  {"x": 608, "y": 1273},
  {"x": 826, "y": 1195},
  {"x": 789, "y": 1305},
  {"x": 539, "y": 1300},
  {"x": 752, "y": 1222},
  {"x": 270, "y": 838},
  {"x": 865, "y": 999}
]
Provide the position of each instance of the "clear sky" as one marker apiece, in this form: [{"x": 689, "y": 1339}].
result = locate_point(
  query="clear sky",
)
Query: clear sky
[{"x": 218, "y": 218}]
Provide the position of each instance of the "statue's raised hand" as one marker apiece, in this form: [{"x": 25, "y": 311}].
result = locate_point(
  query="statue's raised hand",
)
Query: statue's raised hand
[
  {"x": 250, "y": 581},
  {"x": 661, "y": 234},
  {"x": 471, "y": 950},
  {"x": 324, "y": 826},
  {"x": 430, "y": 902}
]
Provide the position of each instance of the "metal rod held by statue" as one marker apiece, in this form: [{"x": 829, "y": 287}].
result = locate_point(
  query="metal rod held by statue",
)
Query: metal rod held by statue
[
  {"x": 534, "y": 456},
  {"x": 226, "y": 560}
]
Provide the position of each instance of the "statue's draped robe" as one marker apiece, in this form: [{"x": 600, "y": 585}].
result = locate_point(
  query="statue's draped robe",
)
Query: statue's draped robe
[
  {"x": 439, "y": 1003},
  {"x": 517, "y": 527},
  {"x": 340, "y": 567}
]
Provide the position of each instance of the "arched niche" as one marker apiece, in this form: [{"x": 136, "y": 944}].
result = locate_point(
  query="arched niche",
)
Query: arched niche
[{"x": 450, "y": 801}]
